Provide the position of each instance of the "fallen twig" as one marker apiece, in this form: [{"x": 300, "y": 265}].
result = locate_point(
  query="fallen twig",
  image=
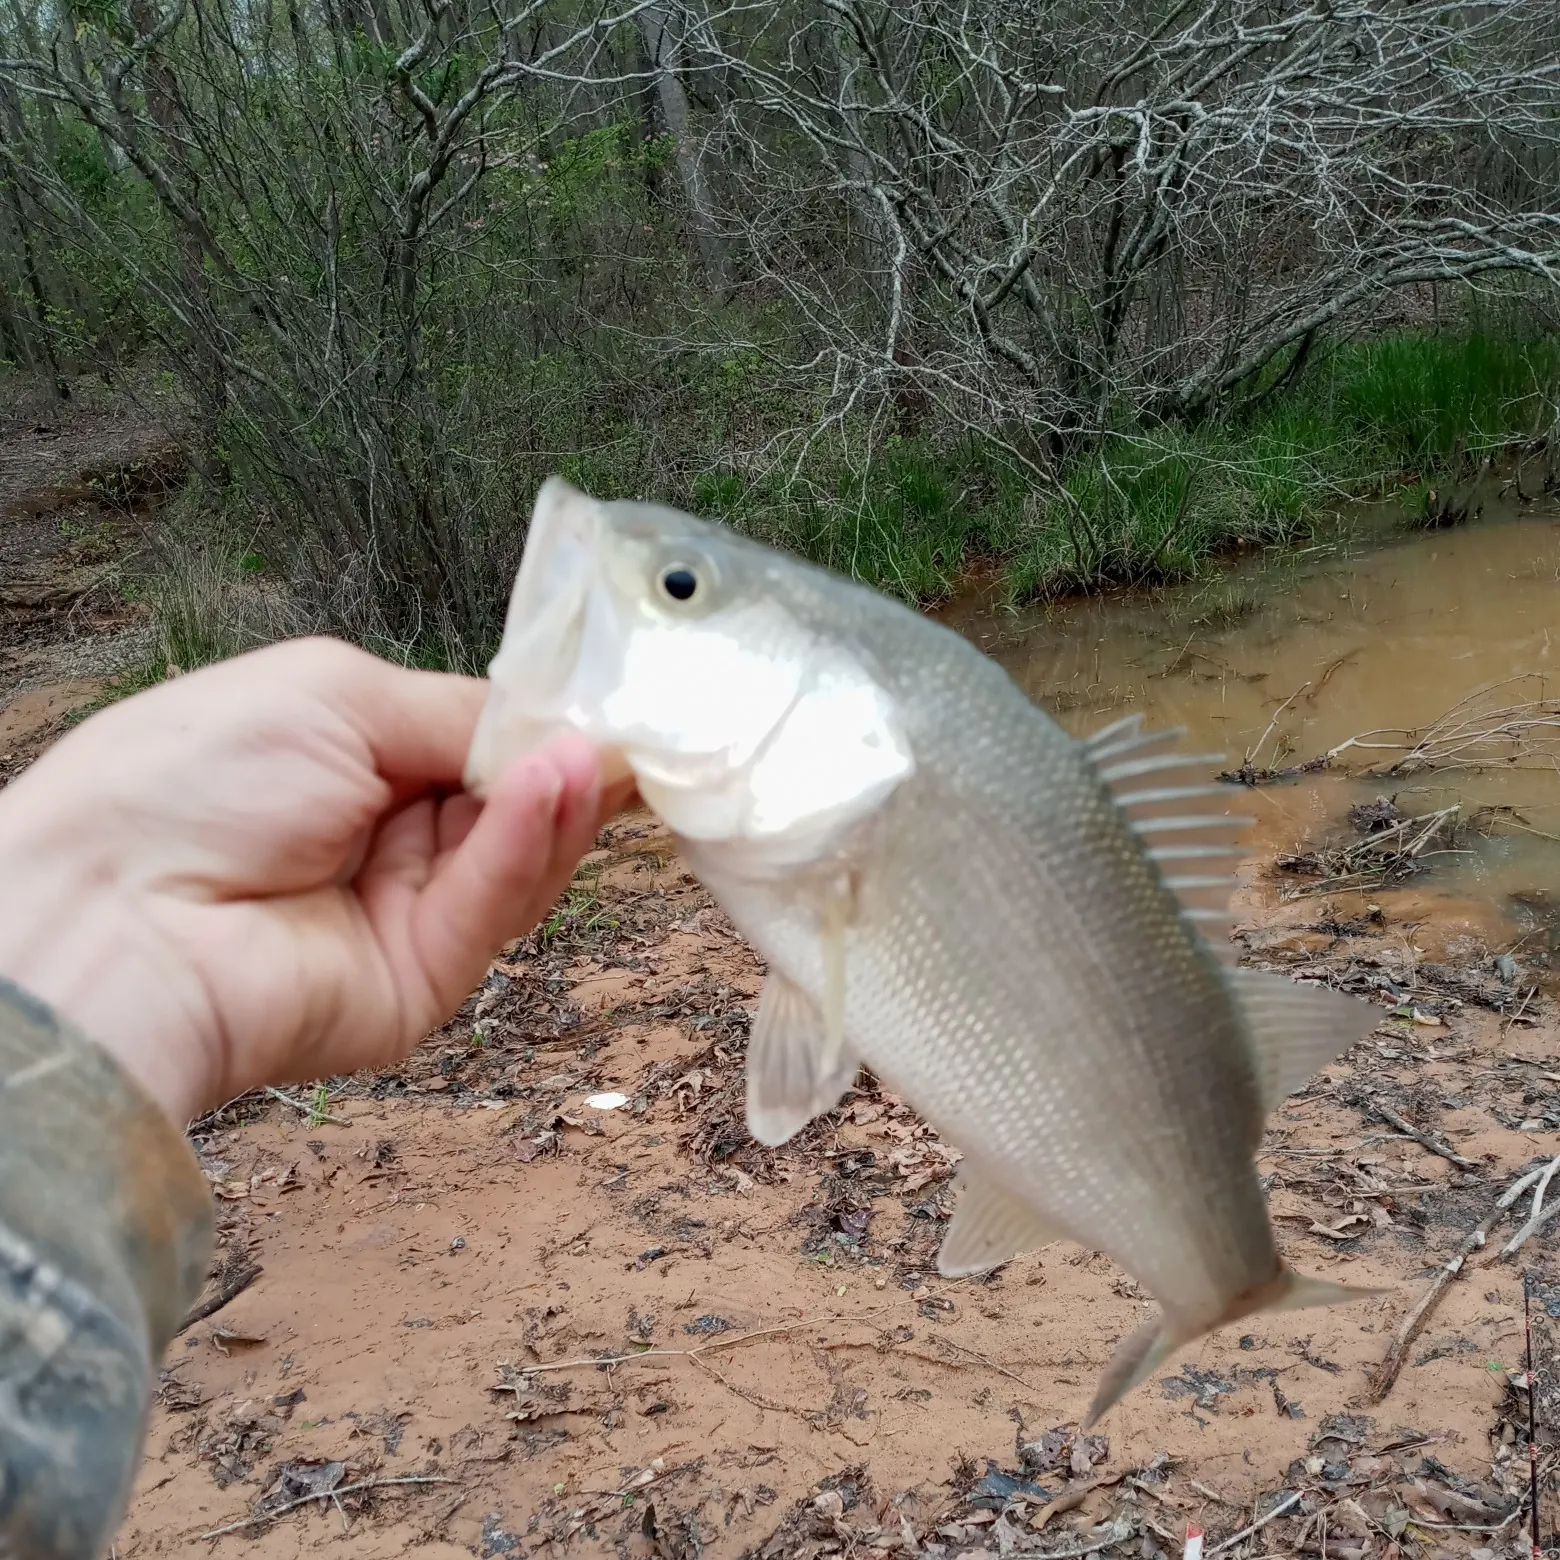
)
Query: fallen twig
[
  {"x": 335, "y": 1494},
  {"x": 315, "y": 1115},
  {"x": 1251, "y": 756},
  {"x": 233, "y": 1284},
  {"x": 1069, "y": 1554},
  {"x": 1001, "y": 1370},
  {"x": 747, "y": 1394},
  {"x": 1408, "y": 1329},
  {"x": 1468, "y": 737},
  {"x": 1223, "y": 1500},
  {"x": 1289, "y": 1500},
  {"x": 1468, "y": 1527},
  {"x": 201, "y": 1123},
  {"x": 1537, "y": 1217},
  {"x": 43, "y": 594},
  {"x": 609, "y": 1361},
  {"x": 1527, "y": 997},
  {"x": 1386, "y": 853},
  {"x": 1423, "y": 1138}
]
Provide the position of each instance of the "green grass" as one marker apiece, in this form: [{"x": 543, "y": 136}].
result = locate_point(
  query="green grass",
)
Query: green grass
[
  {"x": 1152, "y": 508},
  {"x": 577, "y": 919},
  {"x": 1421, "y": 401},
  {"x": 1384, "y": 416},
  {"x": 1158, "y": 504}
]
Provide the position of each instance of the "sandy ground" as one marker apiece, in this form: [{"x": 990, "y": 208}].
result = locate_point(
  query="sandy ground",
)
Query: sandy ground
[{"x": 483, "y": 1316}]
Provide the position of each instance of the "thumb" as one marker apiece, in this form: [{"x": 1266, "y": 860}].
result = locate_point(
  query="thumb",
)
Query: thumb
[{"x": 539, "y": 820}]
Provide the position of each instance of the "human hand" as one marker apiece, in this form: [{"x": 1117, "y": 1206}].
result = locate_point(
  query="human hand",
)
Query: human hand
[{"x": 267, "y": 870}]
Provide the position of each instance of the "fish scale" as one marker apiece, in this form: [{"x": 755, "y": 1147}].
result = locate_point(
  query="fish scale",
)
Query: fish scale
[
  {"x": 1020, "y": 933},
  {"x": 933, "y": 1008}
]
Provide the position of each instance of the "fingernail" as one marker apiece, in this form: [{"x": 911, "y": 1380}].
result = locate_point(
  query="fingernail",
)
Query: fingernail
[
  {"x": 537, "y": 779},
  {"x": 578, "y": 762}
]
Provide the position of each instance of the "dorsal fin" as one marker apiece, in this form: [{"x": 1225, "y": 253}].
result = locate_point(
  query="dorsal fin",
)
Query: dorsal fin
[{"x": 1162, "y": 793}]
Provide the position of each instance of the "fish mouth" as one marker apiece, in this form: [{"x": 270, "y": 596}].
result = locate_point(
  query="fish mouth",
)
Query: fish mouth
[
  {"x": 533, "y": 694},
  {"x": 548, "y": 608}
]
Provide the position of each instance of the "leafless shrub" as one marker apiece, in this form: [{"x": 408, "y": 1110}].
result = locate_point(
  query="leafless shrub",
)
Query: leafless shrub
[
  {"x": 1485, "y": 730},
  {"x": 1039, "y": 217}
]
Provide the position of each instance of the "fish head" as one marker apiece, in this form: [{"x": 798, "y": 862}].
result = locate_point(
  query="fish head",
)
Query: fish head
[{"x": 704, "y": 664}]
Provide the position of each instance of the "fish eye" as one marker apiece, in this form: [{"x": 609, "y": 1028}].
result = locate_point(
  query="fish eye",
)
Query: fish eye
[{"x": 679, "y": 582}]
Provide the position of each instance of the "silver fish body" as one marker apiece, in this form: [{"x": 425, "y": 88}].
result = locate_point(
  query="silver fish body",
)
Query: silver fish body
[{"x": 1007, "y": 925}]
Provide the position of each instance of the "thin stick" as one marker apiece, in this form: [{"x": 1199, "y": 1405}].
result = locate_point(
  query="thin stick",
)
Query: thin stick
[
  {"x": 1472, "y": 1527},
  {"x": 1001, "y": 1370},
  {"x": 1252, "y": 755},
  {"x": 1528, "y": 996},
  {"x": 747, "y": 1394},
  {"x": 315, "y": 1116},
  {"x": 304, "y": 1500},
  {"x": 1070, "y": 1554},
  {"x": 1408, "y": 1329},
  {"x": 231, "y": 1287},
  {"x": 1202, "y": 1489},
  {"x": 200, "y": 1123},
  {"x": 1527, "y": 1322},
  {"x": 612, "y": 1360},
  {"x": 1289, "y": 1500},
  {"x": 1408, "y": 1129},
  {"x": 1550, "y": 1215},
  {"x": 1535, "y": 1218}
]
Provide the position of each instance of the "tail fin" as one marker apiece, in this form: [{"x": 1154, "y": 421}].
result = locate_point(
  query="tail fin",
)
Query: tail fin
[{"x": 1141, "y": 1354}]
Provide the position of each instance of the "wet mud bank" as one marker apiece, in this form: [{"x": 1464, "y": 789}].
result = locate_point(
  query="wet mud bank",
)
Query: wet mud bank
[{"x": 1380, "y": 683}]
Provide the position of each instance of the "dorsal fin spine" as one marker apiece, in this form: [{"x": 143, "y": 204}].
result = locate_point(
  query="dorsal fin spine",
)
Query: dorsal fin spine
[{"x": 1127, "y": 758}]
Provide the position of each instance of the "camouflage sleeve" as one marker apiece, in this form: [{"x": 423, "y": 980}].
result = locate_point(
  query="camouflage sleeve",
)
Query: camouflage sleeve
[{"x": 105, "y": 1232}]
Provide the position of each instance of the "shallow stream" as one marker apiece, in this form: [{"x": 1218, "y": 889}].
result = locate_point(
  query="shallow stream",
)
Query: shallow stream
[{"x": 1375, "y": 628}]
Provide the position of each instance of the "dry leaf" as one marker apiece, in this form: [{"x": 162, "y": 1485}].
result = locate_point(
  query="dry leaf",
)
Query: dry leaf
[{"x": 1343, "y": 1230}]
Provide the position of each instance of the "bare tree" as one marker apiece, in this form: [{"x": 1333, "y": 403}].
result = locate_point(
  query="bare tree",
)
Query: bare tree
[
  {"x": 1082, "y": 213},
  {"x": 316, "y": 177},
  {"x": 661, "y": 28}
]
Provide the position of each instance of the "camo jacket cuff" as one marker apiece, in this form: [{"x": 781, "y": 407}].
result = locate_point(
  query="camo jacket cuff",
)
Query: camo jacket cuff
[{"x": 105, "y": 1234}]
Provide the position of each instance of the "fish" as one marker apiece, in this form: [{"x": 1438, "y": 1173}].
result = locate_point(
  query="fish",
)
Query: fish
[{"x": 1024, "y": 935}]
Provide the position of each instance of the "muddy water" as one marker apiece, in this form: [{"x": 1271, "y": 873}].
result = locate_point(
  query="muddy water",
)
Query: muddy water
[{"x": 1373, "y": 629}]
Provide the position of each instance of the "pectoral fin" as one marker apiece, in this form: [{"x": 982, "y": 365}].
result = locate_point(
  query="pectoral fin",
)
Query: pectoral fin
[
  {"x": 834, "y": 919},
  {"x": 795, "y": 1068},
  {"x": 989, "y": 1227}
]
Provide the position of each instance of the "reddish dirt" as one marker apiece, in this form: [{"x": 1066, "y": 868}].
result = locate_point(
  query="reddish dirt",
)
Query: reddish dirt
[
  {"x": 446, "y": 1262},
  {"x": 78, "y": 482}
]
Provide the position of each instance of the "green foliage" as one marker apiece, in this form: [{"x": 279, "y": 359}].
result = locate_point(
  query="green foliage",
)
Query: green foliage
[
  {"x": 380, "y": 381},
  {"x": 1140, "y": 509},
  {"x": 83, "y": 164},
  {"x": 1423, "y": 401}
]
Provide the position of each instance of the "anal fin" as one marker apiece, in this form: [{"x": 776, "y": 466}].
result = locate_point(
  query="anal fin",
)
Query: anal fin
[
  {"x": 1295, "y": 1029},
  {"x": 989, "y": 1227},
  {"x": 1132, "y": 1364},
  {"x": 796, "y": 1069}
]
